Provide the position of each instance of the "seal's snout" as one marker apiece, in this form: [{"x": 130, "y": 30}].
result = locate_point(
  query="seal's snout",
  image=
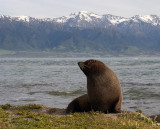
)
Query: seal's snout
[{"x": 80, "y": 64}]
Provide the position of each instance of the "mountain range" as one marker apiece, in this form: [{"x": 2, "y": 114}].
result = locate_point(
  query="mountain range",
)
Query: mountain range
[{"x": 82, "y": 32}]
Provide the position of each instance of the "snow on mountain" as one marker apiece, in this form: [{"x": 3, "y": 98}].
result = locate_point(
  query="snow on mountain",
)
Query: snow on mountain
[
  {"x": 152, "y": 19},
  {"x": 20, "y": 18},
  {"x": 115, "y": 19},
  {"x": 83, "y": 15},
  {"x": 61, "y": 19},
  {"x": 5, "y": 16},
  {"x": 23, "y": 18},
  {"x": 84, "y": 19},
  {"x": 2, "y": 16}
]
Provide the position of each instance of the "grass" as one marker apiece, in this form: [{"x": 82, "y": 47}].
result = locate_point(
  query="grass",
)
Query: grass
[
  {"x": 4, "y": 52},
  {"x": 31, "y": 117}
]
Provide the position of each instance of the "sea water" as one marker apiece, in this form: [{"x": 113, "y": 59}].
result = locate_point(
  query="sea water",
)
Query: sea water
[{"x": 57, "y": 81}]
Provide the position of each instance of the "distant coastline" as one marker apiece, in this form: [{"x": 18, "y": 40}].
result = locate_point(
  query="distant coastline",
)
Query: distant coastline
[{"x": 45, "y": 54}]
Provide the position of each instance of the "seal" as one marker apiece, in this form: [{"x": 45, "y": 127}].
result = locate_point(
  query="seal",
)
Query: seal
[
  {"x": 103, "y": 86},
  {"x": 80, "y": 104}
]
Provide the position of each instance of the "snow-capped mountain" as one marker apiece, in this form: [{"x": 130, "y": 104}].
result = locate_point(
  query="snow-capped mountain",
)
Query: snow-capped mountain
[
  {"x": 84, "y": 19},
  {"x": 80, "y": 16},
  {"x": 152, "y": 19},
  {"x": 115, "y": 19},
  {"x": 20, "y": 18},
  {"x": 24, "y": 18},
  {"x": 81, "y": 32}
]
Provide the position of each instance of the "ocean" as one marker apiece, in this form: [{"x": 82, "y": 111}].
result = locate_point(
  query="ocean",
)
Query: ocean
[{"x": 57, "y": 81}]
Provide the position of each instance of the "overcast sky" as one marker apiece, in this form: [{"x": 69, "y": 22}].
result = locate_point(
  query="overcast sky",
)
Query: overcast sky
[{"x": 58, "y": 8}]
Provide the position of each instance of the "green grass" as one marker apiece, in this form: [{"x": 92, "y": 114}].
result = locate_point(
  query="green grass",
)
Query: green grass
[
  {"x": 4, "y": 52},
  {"x": 30, "y": 117}
]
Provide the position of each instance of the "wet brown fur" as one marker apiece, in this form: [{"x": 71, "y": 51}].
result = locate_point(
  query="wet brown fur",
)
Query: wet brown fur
[{"x": 103, "y": 86}]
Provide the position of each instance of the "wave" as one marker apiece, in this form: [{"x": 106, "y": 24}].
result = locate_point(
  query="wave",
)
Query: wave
[
  {"x": 38, "y": 84},
  {"x": 139, "y": 84},
  {"x": 67, "y": 93},
  {"x": 61, "y": 93}
]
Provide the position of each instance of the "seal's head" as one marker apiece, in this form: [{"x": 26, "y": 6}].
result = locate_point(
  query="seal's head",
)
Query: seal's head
[{"x": 92, "y": 67}]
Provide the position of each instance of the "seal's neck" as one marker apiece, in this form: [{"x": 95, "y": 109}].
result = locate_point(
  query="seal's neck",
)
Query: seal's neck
[{"x": 101, "y": 80}]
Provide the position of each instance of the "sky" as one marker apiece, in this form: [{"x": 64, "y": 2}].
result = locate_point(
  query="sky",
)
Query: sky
[{"x": 58, "y": 8}]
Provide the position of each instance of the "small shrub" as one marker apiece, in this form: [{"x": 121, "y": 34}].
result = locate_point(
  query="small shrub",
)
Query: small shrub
[
  {"x": 6, "y": 106},
  {"x": 139, "y": 111},
  {"x": 30, "y": 106}
]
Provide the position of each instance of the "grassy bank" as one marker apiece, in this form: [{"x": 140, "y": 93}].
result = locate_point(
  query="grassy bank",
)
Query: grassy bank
[{"x": 35, "y": 116}]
